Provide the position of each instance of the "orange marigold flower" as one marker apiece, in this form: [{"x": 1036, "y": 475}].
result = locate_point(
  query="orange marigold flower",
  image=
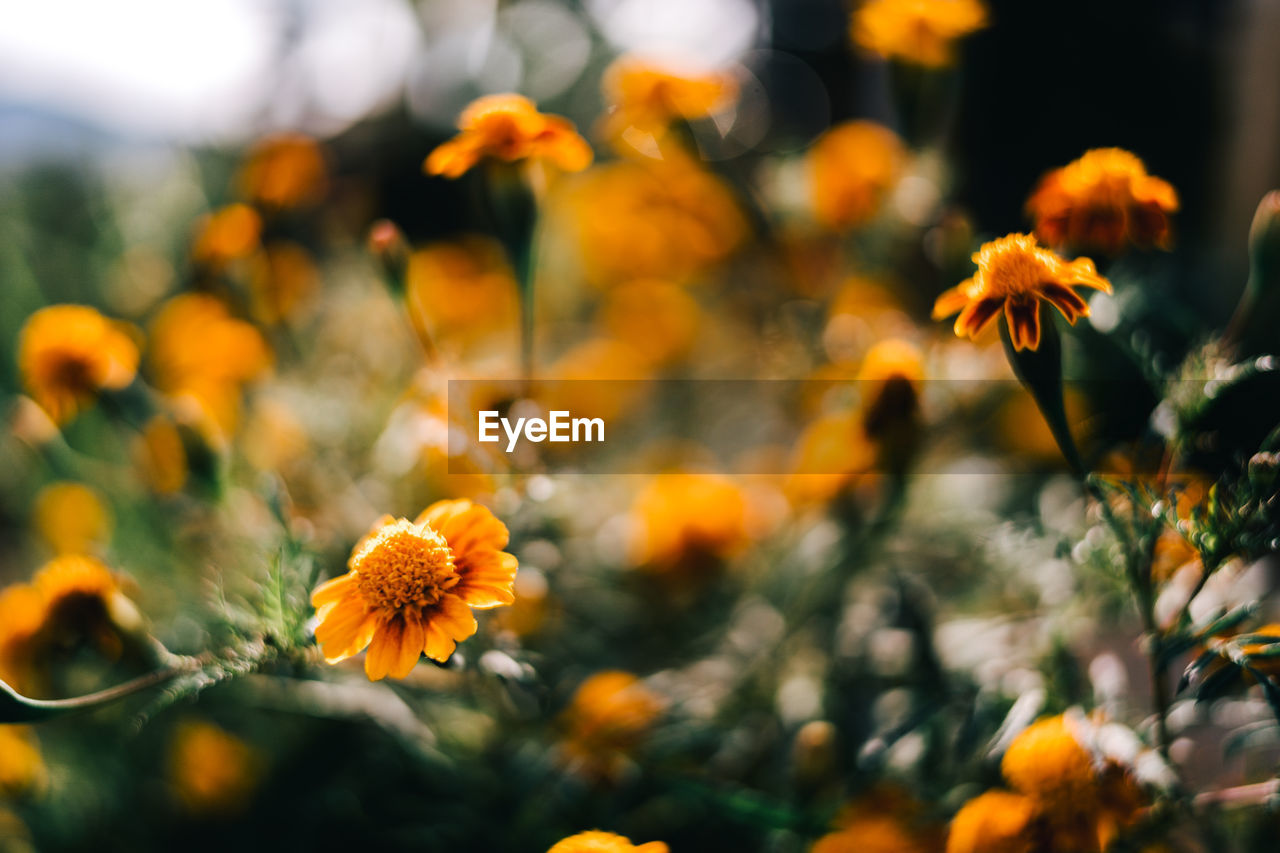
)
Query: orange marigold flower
[
  {"x": 69, "y": 581},
  {"x": 161, "y": 457},
  {"x": 412, "y": 585},
  {"x": 657, "y": 319},
  {"x": 596, "y": 841},
  {"x": 922, "y": 32},
  {"x": 509, "y": 128},
  {"x": 609, "y": 716},
  {"x": 1015, "y": 273},
  {"x": 68, "y": 353},
  {"x": 21, "y": 615},
  {"x": 284, "y": 171},
  {"x": 1047, "y": 763},
  {"x": 71, "y": 518},
  {"x": 21, "y": 765},
  {"x": 869, "y": 833},
  {"x": 201, "y": 355},
  {"x": 687, "y": 521},
  {"x": 994, "y": 822},
  {"x": 284, "y": 277},
  {"x": 461, "y": 290},
  {"x": 226, "y": 235},
  {"x": 211, "y": 771},
  {"x": 648, "y": 97},
  {"x": 1101, "y": 201},
  {"x": 852, "y": 167}
]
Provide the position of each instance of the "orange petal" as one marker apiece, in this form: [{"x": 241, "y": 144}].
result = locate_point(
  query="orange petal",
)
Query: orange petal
[
  {"x": 346, "y": 629},
  {"x": 440, "y": 512},
  {"x": 438, "y": 645},
  {"x": 977, "y": 316},
  {"x": 1023, "y": 317},
  {"x": 1066, "y": 300},
  {"x": 454, "y": 617},
  {"x": 953, "y": 300},
  {"x": 333, "y": 590},
  {"x": 487, "y": 577},
  {"x": 1082, "y": 272},
  {"x": 474, "y": 528},
  {"x": 386, "y": 650}
]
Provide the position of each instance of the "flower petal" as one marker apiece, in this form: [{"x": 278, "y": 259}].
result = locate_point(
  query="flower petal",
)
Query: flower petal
[
  {"x": 978, "y": 315},
  {"x": 386, "y": 650},
  {"x": 1067, "y": 301},
  {"x": 487, "y": 578},
  {"x": 333, "y": 590},
  {"x": 346, "y": 628},
  {"x": 473, "y": 527},
  {"x": 953, "y": 300},
  {"x": 1023, "y": 316}
]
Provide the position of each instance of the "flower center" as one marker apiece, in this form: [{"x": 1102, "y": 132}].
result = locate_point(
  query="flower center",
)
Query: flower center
[
  {"x": 404, "y": 566},
  {"x": 1015, "y": 273},
  {"x": 74, "y": 373}
]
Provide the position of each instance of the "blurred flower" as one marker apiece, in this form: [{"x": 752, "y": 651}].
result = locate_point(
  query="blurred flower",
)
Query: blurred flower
[
  {"x": 21, "y": 614},
  {"x": 22, "y": 768},
  {"x": 71, "y": 518},
  {"x": 211, "y": 771},
  {"x": 608, "y": 717},
  {"x": 201, "y": 355},
  {"x": 921, "y": 32},
  {"x": 1047, "y": 762},
  {"x": 225, "y": 235},
  {"x": 604, "y": 842},
  {"x": 885, "y": 819},
  {"x": 283, "y": 277},
  {"x": 598, "y": 378},
  {"x": 892, "y": 371},
  {"x": 1101, "y": 201},
  {"x": 412, "y": 585},
  {"x": 284, "y": 171},
  {"x": 687, "y": 523},
  {"x": 646, "y": 97},
  {"x": 160, "y": 456},
  {"x": 274, "y": 437},
  {"x": 509, "y": 128},
  {"x": 656, "y": 319},
  {"x": 852, "y": 167},
  {"x": 67, "y": 353},
  {"x": 829, "y": 454},
  {"x": 1014, "y": 273},
  {"x": 461, "y": 290},
  {"x": 668, "y": 220},
  {"x": 994, "y": 822}
]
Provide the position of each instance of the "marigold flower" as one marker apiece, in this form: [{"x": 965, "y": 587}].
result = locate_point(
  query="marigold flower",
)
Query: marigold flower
[
  {"x": 68, "y": 353},
  {"x": 647, "y": 97},
  {"x": 1015, "y": 273},
  {"x": 22, "y": 768},
  {"x": 871, "y": 834},
  {"x": 663, "y": 219},
  {"x": 1047, "y": 763},
  {"x": 610, "y": 714},
  {"x": 1101, "y": 201},
  {"x": 412, "y": 585},
  {"x": 688, "y": 522},
  {"x": 596, "y": 841},
  {"x": 461, "y": 290},
  {"x": 283, "y": 277},
  {"x": 922, "y": 32},
  {"x": 829, "y": 454},
  {"x": 994, "y": 822},
  {"x": 228, "y": 234},
  {"x": 21, "y": 615},
  {"x": 201, "y": 355},
  {"x": 509, "y": 128},
  {"x": 655, "y": 318},
  {"x": 852, "y": 167},
  {"x": 211, "y": 771},
  {"x": 71, "y": 518},
  {"x": 71, "y": 580},
  {"x": 161, "y": 456},
  {"x": 284, "y": 171}
]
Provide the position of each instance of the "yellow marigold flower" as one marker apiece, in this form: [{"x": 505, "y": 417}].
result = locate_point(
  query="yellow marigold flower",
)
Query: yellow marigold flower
[
  {"x": 21, "y": 615},
  {"x": 228, "y": 234},
  {"x": 201, "y": 355},
  {"x": 161, "y": 457},
  {"x": 922, "y": 32},
  {"x": 1047, "y": 763},
  {"x": 1101, "y": 201},
  {"x": 68, "y": 353},
  {"x": 210, "y": 770},
  {"x": 655, "y": 318},
  {"x": 596, "y": 841},
  {"x": 461, "y": 290},
  {"x": 688, "y": 522},
  {"x": 662, "y": 219},
  {"x": 284, "y": 171},
  {"x": 829, "y": 454},
  {"x": 1014, "y": 273},
  {"x": 71, "y": 518},
  {"x": 994, "y": 822},
  {"x": 412, "y": 585},
  {"x": 509, "y": 128},
  {"x": 284, "y": 276},
  {"x": 22, "y": 768},
  {"x": 868, "y": 833},
  {"x": 608, "y": 717},
  {"x": 66, "y": 583},
  {"x": 646, "y": 96},
  {"x": 852, "y": 167}
]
